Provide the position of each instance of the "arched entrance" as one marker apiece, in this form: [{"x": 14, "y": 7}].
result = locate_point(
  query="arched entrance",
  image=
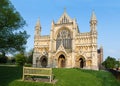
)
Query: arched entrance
[
  {"x": 61, "y": 61},
  {"x": 81, "y": 62},
  {"x": 43, "y": 61}
]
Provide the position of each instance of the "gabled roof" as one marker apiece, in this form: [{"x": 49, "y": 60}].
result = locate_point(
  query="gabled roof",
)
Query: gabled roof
[
  {"x": 61, "y": 49},
  {"x": 64, "y": 18}
]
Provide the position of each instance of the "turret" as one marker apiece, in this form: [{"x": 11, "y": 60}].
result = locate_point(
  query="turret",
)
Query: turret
[
  {"x": 93, "y": 22},
  {"x": 38, "y": 28},
  {"x": 74, "y": 23},
  {"x": 75, "y": 26}
]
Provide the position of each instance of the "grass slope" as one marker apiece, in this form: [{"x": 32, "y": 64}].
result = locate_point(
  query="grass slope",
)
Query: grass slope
[{"x": 10, "y": 76}]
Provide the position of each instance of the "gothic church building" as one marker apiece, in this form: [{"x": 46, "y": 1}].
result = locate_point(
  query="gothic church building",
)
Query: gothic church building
[{"x": 66, "y": 46}]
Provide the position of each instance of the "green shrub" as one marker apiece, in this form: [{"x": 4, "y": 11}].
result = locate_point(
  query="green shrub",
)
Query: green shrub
[
  {"x": 109, "y": 63},
  {"x": 28, "y": 65},
  {"x": 3, "y": 59},
  {"x": 20, "y": 59}
]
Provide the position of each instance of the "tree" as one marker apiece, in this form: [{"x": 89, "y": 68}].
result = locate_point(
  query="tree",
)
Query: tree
[
  {"x": 110, "y": 62},
  {"x": 11, "y": 37},
  {"x": 13, "y": 60},
  {"x": 117, "y": 64},
  {"x": 3, "y": 59},
  {"x": 20, "y": 59},
  {"x": 30, "y": 57}
]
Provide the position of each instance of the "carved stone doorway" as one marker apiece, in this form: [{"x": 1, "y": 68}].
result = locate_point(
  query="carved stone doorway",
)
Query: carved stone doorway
[
  {"x": 82, "y": 62},
  {"x": 61, "y": 61},
  {"x": 43, "y": 61}
]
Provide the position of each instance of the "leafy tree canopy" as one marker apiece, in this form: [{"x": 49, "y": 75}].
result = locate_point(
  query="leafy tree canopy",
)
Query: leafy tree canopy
[
  {"x": 110, "y": 62},
  {"x": 11, "y": 37}
]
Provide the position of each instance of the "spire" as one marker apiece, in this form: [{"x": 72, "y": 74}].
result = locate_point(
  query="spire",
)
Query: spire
[
  {"x": 93, "y": 17},
  {"x": 52, "y": 25},
  {"x": 38, "y": 27},
  {"x": 38, "y": 23},
  {"x": 93, "y": 22},
  {"x": 65, "y": 10},
  {"x": 53, "y": 22},
  {"x": 74, "y": 23}
]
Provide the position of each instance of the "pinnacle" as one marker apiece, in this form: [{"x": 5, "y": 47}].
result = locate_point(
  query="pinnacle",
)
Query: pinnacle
[
  {"x": 65, "y": 10},
  {"x": 38, "y": 23},
  {"x": 93, "y": 17}
]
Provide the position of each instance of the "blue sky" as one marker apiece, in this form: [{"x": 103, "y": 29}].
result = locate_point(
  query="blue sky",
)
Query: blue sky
[{"x": 107, "y": 13}]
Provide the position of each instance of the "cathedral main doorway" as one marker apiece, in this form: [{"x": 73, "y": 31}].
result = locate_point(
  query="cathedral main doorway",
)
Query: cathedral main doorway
[
  {"x": 43, "y": 61},
  {"x": 61, "y": 61}
]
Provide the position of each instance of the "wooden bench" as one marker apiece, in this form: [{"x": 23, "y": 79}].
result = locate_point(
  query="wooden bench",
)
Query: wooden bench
[{"x": 30, "y": 71}]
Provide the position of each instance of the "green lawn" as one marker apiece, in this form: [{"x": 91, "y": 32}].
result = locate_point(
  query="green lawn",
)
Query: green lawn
[{"x": 11, "y": 76}]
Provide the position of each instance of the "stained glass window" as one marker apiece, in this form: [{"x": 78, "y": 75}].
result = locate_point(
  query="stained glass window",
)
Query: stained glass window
[{"x": 64, "y": 37}]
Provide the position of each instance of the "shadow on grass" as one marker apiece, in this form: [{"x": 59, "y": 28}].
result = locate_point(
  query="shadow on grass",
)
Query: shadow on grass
[{"x": 9, "y": 74}]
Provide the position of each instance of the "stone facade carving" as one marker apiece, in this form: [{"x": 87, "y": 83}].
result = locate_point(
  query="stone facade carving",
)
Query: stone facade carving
[{"x": 66, "y": 46}]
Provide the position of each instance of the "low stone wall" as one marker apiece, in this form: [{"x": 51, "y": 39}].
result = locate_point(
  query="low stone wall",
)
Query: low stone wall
[{"x": 116, "y": 73}]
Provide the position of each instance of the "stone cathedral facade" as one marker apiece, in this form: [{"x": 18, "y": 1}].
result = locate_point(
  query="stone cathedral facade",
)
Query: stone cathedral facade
[{"x": 66, "y": 46}]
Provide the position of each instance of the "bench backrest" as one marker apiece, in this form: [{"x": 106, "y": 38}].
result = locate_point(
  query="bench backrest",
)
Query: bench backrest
[{"x": 37, "y": 71}]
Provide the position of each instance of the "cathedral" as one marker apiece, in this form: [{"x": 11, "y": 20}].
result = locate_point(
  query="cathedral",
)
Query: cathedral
[{"x": 66, "y": 46}]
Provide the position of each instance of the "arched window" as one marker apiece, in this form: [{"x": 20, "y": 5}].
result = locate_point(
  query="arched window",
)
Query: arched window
[{"x": 64, "y": 37}]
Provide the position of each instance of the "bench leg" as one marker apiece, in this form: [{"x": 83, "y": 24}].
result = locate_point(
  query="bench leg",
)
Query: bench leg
[
  {"x": 50, "y": 79},
  {"x": 23, "y": 77}
]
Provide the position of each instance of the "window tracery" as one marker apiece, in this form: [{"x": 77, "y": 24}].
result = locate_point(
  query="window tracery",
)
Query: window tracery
[{"x": 64, "y": 37}]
